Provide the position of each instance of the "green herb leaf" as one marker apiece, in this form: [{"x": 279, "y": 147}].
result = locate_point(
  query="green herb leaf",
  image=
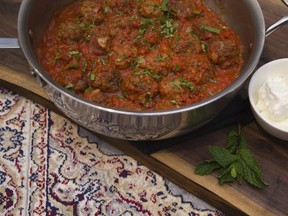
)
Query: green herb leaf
[
  {"x": 222, "y": 156},
  {"x": 233, "y": 172},
  {"x": 194, "y": 34},
  {"x": 85, "y": 64},
  {"x": 225, "y": 176},
  {"x": 235, "y": 162},
  {"x": 74, "y": 53},
  {"x": 148, "y": 72},
  {"x": 69, "y": 86},
  {"x": 167, "y": 28},
  {"x": 103, "y": 60},
  {"x": 92, "y": 77},
  {"x": 207, "y": 167},
  {"x": 143, "y": 28},
  {"x": 204, "y": 47},
  {"x": 160, "y": 58},
  {"x": 177, "y": 68},
  {"x": 164, "y": 5},
  {"x": 183, "y": 83},
  {"x": 210, "y": 29}
]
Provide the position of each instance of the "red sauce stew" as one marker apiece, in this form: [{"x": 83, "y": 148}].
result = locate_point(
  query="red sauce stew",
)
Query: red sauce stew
[{"x": 141, "y": 54}]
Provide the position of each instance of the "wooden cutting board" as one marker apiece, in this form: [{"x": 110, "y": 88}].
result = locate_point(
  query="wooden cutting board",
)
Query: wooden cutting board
[{"x": 176, "y": 158}]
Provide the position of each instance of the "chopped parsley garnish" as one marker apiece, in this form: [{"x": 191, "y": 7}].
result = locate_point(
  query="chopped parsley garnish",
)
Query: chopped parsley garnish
[
  {"x": 167, "y": 28},
  {"x": 174, "y": 102},
  {"x": 143, "y": 28},
  {"x": 194, "y": 34},
  {"x": 210, "y": 29},
  {"x": 137, "y": 61},
  {"x": 160, "y": 58},
  {"x": 89, "y": 89},
  {"x": 92, "y": 77},
  {"x": 177, "y": 68},
  {"x": 103, "y": 60},
  {"x": 106, "y": 9},
  {"x": 148, "y": 72},
  {"x": 85, "y": 65},
  {"x": 86, "y": 26},
  {"x": 94, "y": 63},
  {"x": 74, "y": 53},
  {"x": 69, "y": 86},
  {"x": 213, "y": 81},
  {"x": 164, "y": 5},
  {"x": 204, "y": 47},
  {"x": 183, "y": 83}
]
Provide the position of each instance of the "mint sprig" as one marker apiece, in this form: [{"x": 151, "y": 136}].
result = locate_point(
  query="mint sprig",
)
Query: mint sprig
[{"x": 235, "y": 162}]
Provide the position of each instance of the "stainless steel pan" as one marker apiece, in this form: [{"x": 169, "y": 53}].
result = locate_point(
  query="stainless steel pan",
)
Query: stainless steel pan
[{"x": 245, "y": 16}]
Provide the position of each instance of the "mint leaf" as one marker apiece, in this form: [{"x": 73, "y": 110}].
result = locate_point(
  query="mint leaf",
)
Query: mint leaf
[
  {"x": 222, "y": 156},
  {"x": 225, "y": 176},
  {"x": 250, "y": 160},
  {"x": 235, "y": 162},
  {"x": 207, "y": 167},
  {"x": 232, "y": 140},
  {"x": 240, "y": 171},
  {"x": 233, "y": 172},
  {"x": 253, "y": 178}
]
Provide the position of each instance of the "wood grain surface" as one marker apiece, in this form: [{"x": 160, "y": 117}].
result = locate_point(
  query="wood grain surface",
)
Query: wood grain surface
[{"x": 176, "y": 162}]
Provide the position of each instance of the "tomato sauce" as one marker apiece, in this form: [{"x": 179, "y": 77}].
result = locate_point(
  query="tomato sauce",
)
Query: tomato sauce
[{"x": 140, "y": 54}]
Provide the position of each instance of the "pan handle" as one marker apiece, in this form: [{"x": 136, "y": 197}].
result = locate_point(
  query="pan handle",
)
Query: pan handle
[
  {"x": 285, "y": 2},
  {"x": 9, "y": 43},
  {"x": 277, "y": 25}
]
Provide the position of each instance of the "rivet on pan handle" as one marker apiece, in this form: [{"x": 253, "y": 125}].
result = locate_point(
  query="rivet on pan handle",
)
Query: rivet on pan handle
[{"x": 39, "y": 80}]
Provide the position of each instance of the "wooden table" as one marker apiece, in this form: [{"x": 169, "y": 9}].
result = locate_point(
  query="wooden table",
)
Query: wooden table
[{"x": 176, "y": 161}]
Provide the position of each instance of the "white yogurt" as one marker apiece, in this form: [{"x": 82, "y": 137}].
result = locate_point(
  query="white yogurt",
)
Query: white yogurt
[{"x": 273, "y": 100}]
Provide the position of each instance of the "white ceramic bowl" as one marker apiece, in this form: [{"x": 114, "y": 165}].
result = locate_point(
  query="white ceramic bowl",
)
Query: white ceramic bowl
[{"x": 272, "y": 69}]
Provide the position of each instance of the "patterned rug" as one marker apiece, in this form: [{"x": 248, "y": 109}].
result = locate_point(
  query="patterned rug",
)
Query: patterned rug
[{"x": 50, "y": 166}]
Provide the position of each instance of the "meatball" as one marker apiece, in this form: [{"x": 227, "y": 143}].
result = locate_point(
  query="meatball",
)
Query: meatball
[
  {"x": 99, "y": 42},
  {"x": 105, "y": 78},
  {"x": 91, "y": 12},
  {"x": 186, "y": 9},
  {"x": 70, "y": 79},
  {"x": 95, "y": 95},
  {"x": 70, "y": 31},
  {"x": 81, "y": 85},
  {"x": 62, "y": 58},
  {"x": 159, "y": 60},
  {"x": 186, "y": 41},
  {"x": 150, "y": 8},
  {"x": 165, "y": 104},
  {"x": 176, "y": 91},
  {"x": 122, "y": 55},
  {"x": 208, "y": 27},
  {"x": 121, "y": 6},
  {"x": 147, "y": 37},
  {"x": 151, "y": 36},
  {"x": 173, "y": 87},
  {"x": 140, "y": 87},
  {"x": 194, "y": 68},
  {"x": 123, "y": 27},
  {"x": 225, "y": 53}
]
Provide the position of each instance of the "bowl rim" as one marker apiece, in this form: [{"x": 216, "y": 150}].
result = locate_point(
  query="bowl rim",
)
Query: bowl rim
[{"x": 252, "y": 90}]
